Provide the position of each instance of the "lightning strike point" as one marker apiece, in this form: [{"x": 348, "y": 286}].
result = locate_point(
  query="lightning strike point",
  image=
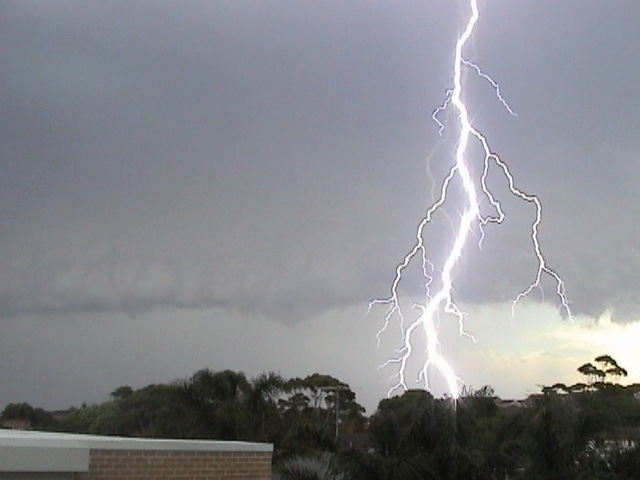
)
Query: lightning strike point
[{"x": 441, "y": 300}]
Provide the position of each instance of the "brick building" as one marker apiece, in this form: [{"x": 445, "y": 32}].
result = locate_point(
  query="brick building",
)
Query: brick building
[{"x": 60, "y": 456}]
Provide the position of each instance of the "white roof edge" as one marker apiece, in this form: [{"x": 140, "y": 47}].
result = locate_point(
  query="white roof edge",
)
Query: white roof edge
[{"x": 30, "y": 438}]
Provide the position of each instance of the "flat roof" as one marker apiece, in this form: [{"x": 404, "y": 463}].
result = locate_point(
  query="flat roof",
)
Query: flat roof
[
  {"x": 98, "y": 442},
  {"x": 33, "y": 451}
]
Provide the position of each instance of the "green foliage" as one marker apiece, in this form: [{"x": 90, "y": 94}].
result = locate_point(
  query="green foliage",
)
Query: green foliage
[
  {"x": 297, "y": 415},
  {"x": 308, "y": 408},
  {"x": 556, "y": 437},
  {"x": 586, "y": 431},
  {"x": 121, "y": 393},
  {"x": 152, "y": 411},
  {"x": 304, "y": 437},
  {"x": 469, "y": 438},
  {"x": 36, "y": 418},
  {"x": 597, "y": 376},
  {"x": 625, "y": 464},
  {"x": 372, "y": 466},
  {"x": 216, "y": 403},
  {"x": 310, "y": 467},
  {"x": 403, "y": 423}
]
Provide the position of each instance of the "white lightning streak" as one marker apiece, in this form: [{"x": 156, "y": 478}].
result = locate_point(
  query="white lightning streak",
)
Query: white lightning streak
[{"x": 441, "y": 300}]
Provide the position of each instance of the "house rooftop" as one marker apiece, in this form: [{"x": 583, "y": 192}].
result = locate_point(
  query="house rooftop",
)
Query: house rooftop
[
  {"x": 29, "y": 438},
  {"x": 33, "y": 451}
]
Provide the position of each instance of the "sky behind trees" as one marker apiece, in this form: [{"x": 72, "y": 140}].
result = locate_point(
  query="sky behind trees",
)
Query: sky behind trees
[{"x": 227, "y": 184}]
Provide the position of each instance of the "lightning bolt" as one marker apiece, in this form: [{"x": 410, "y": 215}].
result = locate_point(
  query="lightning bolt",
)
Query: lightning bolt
[{"x": 440, "y": 300}]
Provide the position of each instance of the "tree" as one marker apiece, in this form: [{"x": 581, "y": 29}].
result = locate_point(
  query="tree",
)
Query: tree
[
  {"x": 121, "y": 393},
  {"x": 308, "y": 407},
  {"x": 607, "y": 366},
  {"x": 264, "y": 392},
  {"x": 625, "y": 464},
  {"x": 610, "y": 366},
  {"x": 416, "y": 426},
  {"x": 30, "y": 417},
  {"x": 556, "y": 438},
  {"x": 357, "y": 465},
  {"x": 216, "y": 399},
  {"x": 311, "y": 467},
  {"x": 592, "y": 373},
  {"x": 153, "y": 411}
]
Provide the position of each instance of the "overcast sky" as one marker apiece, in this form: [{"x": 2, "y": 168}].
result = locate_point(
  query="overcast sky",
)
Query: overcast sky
[{"x": 226, "y": 184}]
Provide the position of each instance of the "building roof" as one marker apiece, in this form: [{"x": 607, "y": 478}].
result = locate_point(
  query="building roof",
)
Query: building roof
[{"x": 22, "y": 451}]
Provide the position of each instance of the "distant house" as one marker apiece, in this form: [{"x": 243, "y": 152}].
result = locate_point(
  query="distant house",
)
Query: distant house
[
  {"x": 510, "y": 405},
  {"x": 17, "y": 424},
  {"x": 618, "y": 438},
  {"x": 45, "y": 456}
]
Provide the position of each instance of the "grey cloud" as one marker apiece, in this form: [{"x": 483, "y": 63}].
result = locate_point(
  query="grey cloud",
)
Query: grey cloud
[
  {"x": 192, "y": 184},
  {"x": 271, "y": 158}
]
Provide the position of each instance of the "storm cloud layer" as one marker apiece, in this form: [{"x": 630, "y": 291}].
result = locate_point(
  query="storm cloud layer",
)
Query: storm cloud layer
[
  {"x": 273, "y": 158},
  {"x": 270, "y": 157}
]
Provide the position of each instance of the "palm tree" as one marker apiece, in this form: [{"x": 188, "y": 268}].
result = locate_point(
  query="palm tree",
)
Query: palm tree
[
  {"x": 261, "y": 401},
  {"x": 557, "y": 438},
  {"x": 311, "y": 467},
  {"x": 419, "y": 465},
  {"x": 217, "y": 401}
]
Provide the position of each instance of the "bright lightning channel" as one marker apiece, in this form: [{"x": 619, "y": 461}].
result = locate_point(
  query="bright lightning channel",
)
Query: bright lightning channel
[{"x": 441, "y": 300}]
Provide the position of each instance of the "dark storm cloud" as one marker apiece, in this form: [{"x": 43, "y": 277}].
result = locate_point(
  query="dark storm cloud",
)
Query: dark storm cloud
[
  {"x": 207, "y": 155},
  {"x": 579, "y": 148},
  {"x": 269, "y": 157}
]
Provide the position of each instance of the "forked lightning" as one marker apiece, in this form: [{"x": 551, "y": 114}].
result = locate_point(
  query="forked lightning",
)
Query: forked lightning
[{"x": 440, "y": 300}]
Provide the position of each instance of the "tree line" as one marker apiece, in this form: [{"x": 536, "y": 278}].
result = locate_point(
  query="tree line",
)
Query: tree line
[
  {"x": 297, "y": 415},
  {"x": 586, "y": 431}
]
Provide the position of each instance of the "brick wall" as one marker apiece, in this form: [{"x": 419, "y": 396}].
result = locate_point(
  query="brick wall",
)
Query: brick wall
[{"x": 176, "y": 465}]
